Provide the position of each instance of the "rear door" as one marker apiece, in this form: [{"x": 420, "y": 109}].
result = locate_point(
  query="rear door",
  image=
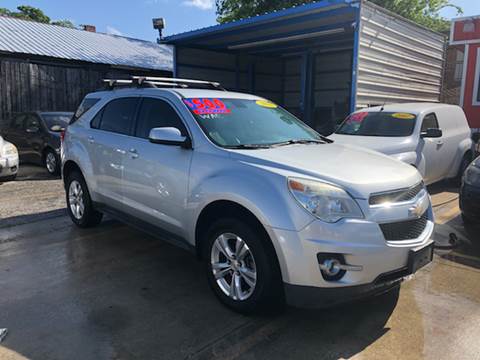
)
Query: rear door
[
  {"x": 34, "y": 138},
  {"x": 16, "y": 133},
  {"x": 156, "y": 175},
  {"x": 108, "y": 140}
]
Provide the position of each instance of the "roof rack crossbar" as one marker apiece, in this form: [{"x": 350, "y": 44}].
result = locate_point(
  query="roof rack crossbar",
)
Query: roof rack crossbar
[{"x": 160, "y": 81}]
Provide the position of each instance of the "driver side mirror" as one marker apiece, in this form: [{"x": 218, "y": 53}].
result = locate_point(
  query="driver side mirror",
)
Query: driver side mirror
[
  {"x": 56, "y": 128},
  {"x": 169, "y": 136},
  {"x": 431, "y": 133}
]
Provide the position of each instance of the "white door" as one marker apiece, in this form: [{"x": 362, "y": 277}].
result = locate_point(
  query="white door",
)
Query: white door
[
  {"x": 433, "y": 150},
  {"x": 156, "y": 175}
]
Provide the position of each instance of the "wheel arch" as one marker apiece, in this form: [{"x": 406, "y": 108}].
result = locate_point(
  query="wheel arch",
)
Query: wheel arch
[{"x": 221, "y": 209}]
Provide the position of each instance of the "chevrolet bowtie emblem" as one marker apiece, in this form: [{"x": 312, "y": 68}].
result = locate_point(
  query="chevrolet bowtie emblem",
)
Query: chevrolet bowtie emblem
[{"x": 419, "y": 208}]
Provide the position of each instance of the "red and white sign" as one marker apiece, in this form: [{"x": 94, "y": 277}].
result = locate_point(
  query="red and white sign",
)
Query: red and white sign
[{"x": 466, "y": 32}]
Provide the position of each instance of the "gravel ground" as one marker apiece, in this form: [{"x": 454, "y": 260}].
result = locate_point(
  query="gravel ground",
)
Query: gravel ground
[{"x": 33, "y": 192}]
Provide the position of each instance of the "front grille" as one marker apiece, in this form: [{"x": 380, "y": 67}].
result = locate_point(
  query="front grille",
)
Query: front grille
[
  {"x": 404, "y": 230},
  {"x": 396, "y": 196}
]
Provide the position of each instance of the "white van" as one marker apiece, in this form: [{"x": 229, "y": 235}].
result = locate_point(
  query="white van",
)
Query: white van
[{"x": 435, "y": 138}]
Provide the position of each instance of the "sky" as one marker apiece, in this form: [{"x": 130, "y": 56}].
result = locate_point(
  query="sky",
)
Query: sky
[{"x": 133, "y": 18}]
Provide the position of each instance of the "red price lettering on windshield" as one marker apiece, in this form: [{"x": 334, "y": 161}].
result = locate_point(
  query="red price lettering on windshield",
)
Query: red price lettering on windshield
[{"x": 202, "y": 106}]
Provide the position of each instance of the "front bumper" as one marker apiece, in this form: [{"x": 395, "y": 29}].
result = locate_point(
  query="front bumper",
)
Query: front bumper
[
  {"x": 362, "y": 245},
  {"x": 8, "y": 166},
  {"x": 470, "y": 201}
]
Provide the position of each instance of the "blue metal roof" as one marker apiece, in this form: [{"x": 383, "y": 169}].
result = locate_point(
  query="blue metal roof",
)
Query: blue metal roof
[
  {"x": 28, "y": 37},
  {"x": 264, "y": 21}
]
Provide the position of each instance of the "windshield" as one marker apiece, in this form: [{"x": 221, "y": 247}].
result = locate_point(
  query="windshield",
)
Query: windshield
[
  {"x": 61, "y": 120},
  {"x": 378, "y": 124},
  {"x": 244, "y": 123}
]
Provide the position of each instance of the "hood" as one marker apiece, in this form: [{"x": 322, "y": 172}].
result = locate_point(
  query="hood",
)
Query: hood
[
  {"x": 359, "y": 171},
  {"x": 383, "y": 144}
]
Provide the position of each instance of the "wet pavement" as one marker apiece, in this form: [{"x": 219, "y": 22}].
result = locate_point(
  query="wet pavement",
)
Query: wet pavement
[{"x": 115, "y": 293}]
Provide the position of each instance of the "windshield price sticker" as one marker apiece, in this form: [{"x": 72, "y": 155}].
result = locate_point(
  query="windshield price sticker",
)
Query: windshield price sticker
[
  {"x": 357, "y": 117},
  {"x": 266, "y": 104},
  {"x": 203, "y": 106},
  {"x": 405, "y": 116}
]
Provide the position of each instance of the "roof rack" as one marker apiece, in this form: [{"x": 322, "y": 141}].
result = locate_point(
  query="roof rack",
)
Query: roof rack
[{"x": 158, "y": 82}]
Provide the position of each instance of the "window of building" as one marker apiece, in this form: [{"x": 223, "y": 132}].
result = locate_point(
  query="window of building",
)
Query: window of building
[{"x": 458, "y": 74}]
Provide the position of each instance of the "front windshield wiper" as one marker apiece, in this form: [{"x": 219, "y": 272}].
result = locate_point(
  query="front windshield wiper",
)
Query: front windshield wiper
[
  {"x": 247, "y": 146},
  {"x": 303, "y": 141}
]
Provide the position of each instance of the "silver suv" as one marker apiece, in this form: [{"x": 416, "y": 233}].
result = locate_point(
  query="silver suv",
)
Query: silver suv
[{"x": 276, "y": 211}]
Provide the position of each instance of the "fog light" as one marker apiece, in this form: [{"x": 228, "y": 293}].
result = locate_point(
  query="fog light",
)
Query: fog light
[{"x": 333, "y": 266}]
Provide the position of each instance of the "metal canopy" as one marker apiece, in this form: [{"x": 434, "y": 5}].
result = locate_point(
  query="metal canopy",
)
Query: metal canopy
[{"x": 289, "y": 29}]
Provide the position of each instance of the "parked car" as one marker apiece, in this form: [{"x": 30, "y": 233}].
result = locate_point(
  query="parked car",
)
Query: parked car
[
  {"x": 434, "y": 138},
  {"x": 276, "y": 211},
  {"x": 470, "y": 193},
  {"x": 37, "y": 137},
  {"x": 8, "y": 161}
]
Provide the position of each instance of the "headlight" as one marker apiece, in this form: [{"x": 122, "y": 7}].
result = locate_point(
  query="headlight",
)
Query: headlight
[
  {"x": 327, "y": 202},
  {"x": 472, "y": 175},
  {"x": 9, "y": 149}
]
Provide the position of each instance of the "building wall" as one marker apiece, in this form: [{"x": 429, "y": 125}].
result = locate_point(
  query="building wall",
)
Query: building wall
[
  {"x": 465, "y": 34},
  {"x": 398, "y": 61},
  {"x": 27, "y": 85},
  {"x": 452, "y": 79}
]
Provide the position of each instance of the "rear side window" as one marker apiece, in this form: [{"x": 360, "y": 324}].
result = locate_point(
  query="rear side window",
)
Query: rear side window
[
  {"x": 429, "y": 122},
  {"x": 118, "y": 115},
  {"x": 17, "y": 121},
  {"x": 85, "y": 105},
  {"x": 157, "y": 113}
]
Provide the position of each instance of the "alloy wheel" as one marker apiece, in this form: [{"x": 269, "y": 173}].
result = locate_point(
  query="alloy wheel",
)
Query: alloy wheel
[
  {"x": 233, "y": 266},
  {"x": 51, "y": 162},
  {"x": 75, "y": 199}
]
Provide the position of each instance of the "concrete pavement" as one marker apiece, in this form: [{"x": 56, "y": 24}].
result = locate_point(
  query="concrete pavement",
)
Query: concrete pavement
[{"x": 115, "y": 293}]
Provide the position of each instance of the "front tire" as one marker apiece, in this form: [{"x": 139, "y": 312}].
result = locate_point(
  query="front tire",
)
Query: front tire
[
  {"x": 51, "y": 162},
  {"x": 242, "y": 267},
  {"x": 79, "y": 203}
]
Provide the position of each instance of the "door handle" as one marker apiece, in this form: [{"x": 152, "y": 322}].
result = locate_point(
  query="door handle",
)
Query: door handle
[
  {"x": 91, "y": 140},
  {"x": 439, "y": 142},
  {"x": 121, "y": 151},
  {"x": 133, "y": 153}
]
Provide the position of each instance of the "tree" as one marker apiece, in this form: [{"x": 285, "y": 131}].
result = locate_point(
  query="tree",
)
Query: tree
[
  {"x": 30, "y": 13},
  {"x": 423, "y": 12},
  {"x": 65, "y": 23}
]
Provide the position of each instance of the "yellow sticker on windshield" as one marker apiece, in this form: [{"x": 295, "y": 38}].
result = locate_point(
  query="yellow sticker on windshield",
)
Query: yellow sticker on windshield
[
  {"x": 267, "y": 104},
  {"x": 405, "y": 116}
]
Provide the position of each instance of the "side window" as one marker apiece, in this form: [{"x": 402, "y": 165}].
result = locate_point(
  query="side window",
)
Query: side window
[
  {"x": 429, "y": 122},
  {"x": 17, "y": 121},
  {"x": 32, "y": 124},
  {"x": 95, "y": 123},
  {"x": 157, "y": 113},
  {"x": 118, "y": 115},
  {"x": 85, "y": 105}
]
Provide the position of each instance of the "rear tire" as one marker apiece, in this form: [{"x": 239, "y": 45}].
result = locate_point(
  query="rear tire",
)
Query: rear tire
[
  {"x": 79, "y": 203},
  {"x": 51, "y": 162},
  {"x": 466, "y": 160},
  {"x": 243, "y": 272}
]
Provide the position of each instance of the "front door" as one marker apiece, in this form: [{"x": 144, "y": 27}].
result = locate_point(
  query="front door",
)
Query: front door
[
  {"x": 431, "y": 149},
  {"x": 156, "y": 175}
]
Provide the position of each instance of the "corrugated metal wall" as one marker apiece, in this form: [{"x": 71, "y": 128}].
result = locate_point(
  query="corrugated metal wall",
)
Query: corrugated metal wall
[
  {"x": 397, "y": 60},
  {"x": 244, "y": 73}
]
